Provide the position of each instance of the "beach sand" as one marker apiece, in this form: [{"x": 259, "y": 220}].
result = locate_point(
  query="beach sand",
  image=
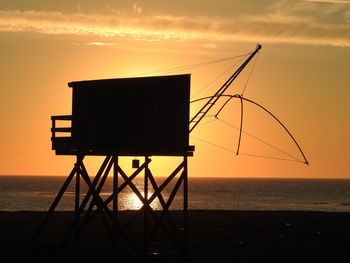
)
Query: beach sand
[{"x": 214, "y": 236}]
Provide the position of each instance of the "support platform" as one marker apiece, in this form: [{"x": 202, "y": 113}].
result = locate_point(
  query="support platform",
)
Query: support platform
[{"x": 161, "y": 231}]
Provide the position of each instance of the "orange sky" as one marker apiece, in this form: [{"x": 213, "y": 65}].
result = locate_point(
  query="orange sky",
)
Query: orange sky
[{"x": 301, "y": 75}]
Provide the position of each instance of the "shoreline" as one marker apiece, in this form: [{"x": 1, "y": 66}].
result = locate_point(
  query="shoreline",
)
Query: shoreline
[{"x": 214, "y": 235}]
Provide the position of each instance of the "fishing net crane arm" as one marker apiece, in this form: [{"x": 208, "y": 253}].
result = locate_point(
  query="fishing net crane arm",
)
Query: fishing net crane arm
[
  {"x": 213, "y": 99},
  {"x": 237, "y": 96}
]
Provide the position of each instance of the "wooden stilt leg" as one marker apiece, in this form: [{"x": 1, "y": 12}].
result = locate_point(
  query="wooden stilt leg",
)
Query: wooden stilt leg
[
  {"x": 100, "y": 204},
  {"x": 146, "y": 205},
  {"x": 54, "y": 203},
  {"x": 75, "y": 226},
  {"x": 185, "y": 207},
  {"x": 115, "y": 195},
  {"x": 77, "y": 193}
]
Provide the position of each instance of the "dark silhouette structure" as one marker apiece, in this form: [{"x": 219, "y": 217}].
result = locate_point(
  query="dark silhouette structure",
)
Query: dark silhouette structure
[
  {"x": 126, "y": 117},
  {"x": 142, "y": 117}
]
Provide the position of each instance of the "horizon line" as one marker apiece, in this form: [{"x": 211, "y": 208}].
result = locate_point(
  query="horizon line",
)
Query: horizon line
[{"x": 201, "y": 177}]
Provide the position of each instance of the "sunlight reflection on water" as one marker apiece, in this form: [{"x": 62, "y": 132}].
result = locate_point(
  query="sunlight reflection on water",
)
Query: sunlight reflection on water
[{"x": 131, "y": 201}]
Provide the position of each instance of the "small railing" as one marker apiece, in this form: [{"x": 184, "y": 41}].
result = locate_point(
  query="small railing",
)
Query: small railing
[{"x": 58, "y": 141}]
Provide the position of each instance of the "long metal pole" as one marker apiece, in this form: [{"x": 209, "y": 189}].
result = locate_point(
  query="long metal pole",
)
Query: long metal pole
[{"x": 210, "y": 103}]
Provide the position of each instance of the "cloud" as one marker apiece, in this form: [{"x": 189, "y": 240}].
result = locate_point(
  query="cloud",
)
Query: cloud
[
  {"x": 330, "y": 1},
  {"x": 137, "y": 8},
  {"x": 277, "y": 27},
  {"x": 320, "y": 11},
  {"x": 102, "y": 44}
]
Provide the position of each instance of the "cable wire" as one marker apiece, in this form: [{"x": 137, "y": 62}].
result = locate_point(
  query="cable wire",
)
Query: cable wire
[
  {"x": 260, "y": 140},
  {"x": 250, "y": 73},
  {"x": 182, "y": 68},
  {"x": 247, "y": 154},
  {"x": 215, "y": 79}
]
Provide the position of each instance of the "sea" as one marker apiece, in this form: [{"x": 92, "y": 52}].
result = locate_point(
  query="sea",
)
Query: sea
[{"x": 36, "y": 193}]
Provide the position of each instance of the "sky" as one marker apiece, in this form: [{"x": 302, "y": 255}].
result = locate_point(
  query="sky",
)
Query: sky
[{"x": 301, "y": 75}]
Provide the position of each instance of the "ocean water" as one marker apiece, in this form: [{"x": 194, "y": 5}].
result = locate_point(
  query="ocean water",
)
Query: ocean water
[{"x": 36, "y": 193}]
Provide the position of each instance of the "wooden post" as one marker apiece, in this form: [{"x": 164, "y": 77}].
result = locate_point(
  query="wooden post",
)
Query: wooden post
[
  {"x": 185, "y": 206},
  {"x": 115, "y": 194},
  {"x": 53, "y": 129},
  {"x": 54, "y": 204},
  {"x": 146, "y": 206},
  {"x": 77, "y": 191}
]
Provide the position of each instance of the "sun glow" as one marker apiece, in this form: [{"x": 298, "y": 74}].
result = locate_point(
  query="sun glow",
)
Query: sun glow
[{"x": 46, "y": 46}]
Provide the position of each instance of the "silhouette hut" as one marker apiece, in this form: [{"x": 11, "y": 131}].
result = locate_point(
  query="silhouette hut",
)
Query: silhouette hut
[
  {"x": 127, "y": 117},
  {"x": 145, "y": 117}
]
